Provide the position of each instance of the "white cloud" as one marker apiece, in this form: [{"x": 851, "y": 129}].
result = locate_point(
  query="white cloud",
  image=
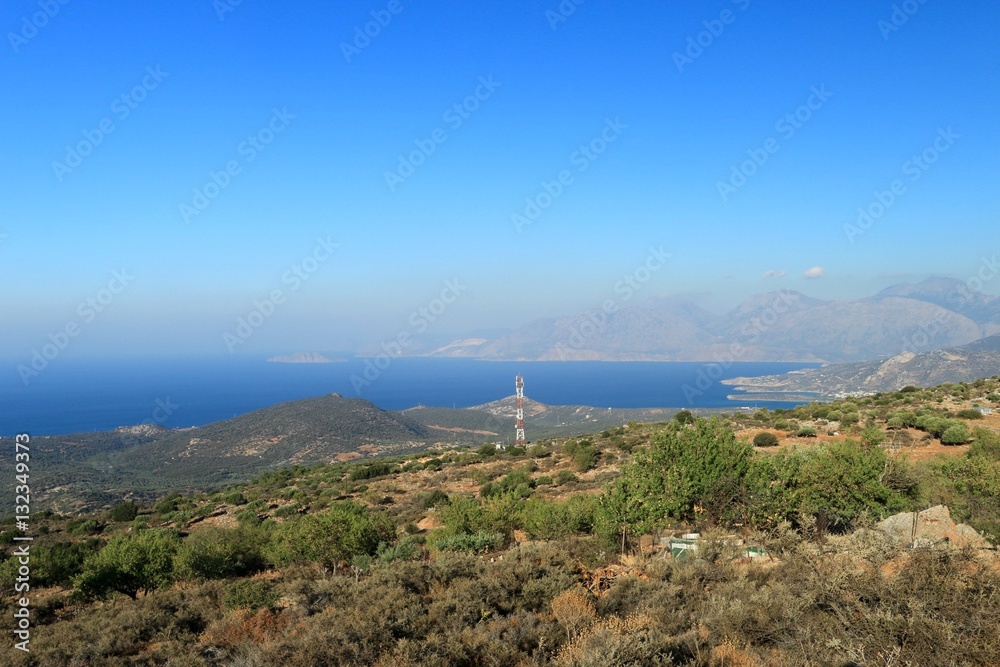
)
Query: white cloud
[
  {"x": 814, "y": 272},
  {"x": 774, "y": 274}
]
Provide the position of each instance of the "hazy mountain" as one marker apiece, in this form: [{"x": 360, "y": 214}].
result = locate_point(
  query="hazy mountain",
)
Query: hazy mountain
[
  {"x": 955, "y": 295},
  {"x": 772, "y": 326},
  {"x": 958, "y": 364}
]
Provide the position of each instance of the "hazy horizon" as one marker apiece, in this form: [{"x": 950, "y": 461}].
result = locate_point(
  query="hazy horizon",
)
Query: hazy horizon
[{"x": 169, "y": 170}]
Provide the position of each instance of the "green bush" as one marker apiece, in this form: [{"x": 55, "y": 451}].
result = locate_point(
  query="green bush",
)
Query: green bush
[
  {"x": 478, "y": 542},
  {"x": 969, "y": 414},
  {"x": 842, "y": 480},
  {"x": 957, "y": 434},
  {"x": 83, "y": 527},
  {"x": 129, "y": 564},
  {"x": 249, "y": 594},
  {"x": 985, "y": 443},
  {"x": 565, "y": 477},
  {"x": 124, "y": 512},
  {"x": 684, "y": 417},
  {"x": 806, "y": 432},
  {"x": 429, "y": 499},
  {"x": 216, "y": 553},
  {"x": 687, "y": 472},
  {"x": 341, "y": 533},
  {"x": 765, "y": 439}
]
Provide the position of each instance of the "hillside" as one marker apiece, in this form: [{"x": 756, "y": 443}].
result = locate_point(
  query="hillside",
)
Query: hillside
[
  {"x": 562, "y": 554},
  {"x": 88, "y": 470},
  {"x": 774, "y": 326},
  {"x": 958, "y": 364}
]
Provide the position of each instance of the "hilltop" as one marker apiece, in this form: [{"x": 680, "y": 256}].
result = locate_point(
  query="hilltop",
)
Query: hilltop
[{"x": 958, "y": 364}]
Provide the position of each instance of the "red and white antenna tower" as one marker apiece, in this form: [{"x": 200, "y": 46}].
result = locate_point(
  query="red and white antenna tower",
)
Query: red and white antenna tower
[{"x": 519, "y": 440}]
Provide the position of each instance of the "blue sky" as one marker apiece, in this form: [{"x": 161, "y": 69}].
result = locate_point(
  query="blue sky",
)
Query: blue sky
[{"x": 208, "y": 85}]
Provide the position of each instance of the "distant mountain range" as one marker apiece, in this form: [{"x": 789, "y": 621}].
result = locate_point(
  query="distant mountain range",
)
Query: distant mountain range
[
  {"x": 773, "y": 326},
  {"x": 966, "y": 363}
]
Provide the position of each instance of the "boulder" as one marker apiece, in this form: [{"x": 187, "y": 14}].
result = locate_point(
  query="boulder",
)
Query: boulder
[{"x": 931, "y": 527}]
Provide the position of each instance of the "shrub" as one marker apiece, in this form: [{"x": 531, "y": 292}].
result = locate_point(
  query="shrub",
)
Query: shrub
[
  {"x": 429, "y": 499},
  {"x": 372, "y": 470},
  {"x": 235, "y": 498},
  {"x": 685, "y": 468},
  {"x": 124, "y": 512},
  {"x": 985, "y": 443},
  {"x": 842, "y": 480},
  {"x": 969, "y": 414},
  {"x": 478, "y": 542},
  {"x": 806, "y": 432},
  {"x": 538, "y": 451},
  {"x": 215, "y": 553},
  {"x": 765, "y": 439},
  {"x": 83, "y": 527},
  {"x": 249, "y": 594},
  {"x": 565, "y": 477},
  {"x": 872, "y": 436},
  {"x": 344, "y": 531},
  {"x": 956, "y": 434}
]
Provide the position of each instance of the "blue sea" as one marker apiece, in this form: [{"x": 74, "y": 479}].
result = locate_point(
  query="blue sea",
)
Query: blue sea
[{"x": 73, "y": 396}]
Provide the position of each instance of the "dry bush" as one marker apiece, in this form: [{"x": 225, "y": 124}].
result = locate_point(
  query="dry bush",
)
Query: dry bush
[
  {"x": 574, "y": 610},
  {"x": 616, "y": 642},
  {"x": 727, "y": 655},
  {"x": 244, "y": 626}
]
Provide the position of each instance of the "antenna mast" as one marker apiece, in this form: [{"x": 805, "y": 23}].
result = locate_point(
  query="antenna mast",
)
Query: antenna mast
[{"x": 520, "y": 410}]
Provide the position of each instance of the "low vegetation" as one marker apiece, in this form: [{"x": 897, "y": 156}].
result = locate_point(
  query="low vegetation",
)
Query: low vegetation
[{"x": 550, "y": 555}]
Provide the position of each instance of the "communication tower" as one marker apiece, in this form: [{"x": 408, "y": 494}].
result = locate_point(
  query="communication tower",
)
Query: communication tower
[{"x": 519, "y": 440}]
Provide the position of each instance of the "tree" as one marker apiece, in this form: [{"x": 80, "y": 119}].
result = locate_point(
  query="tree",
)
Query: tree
[
  {"x": 130, "y": 564},
  {"x": 684, "y": 417},
  {"x": 687, "y": 472},
  {"x": 843, "y": 479}
]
